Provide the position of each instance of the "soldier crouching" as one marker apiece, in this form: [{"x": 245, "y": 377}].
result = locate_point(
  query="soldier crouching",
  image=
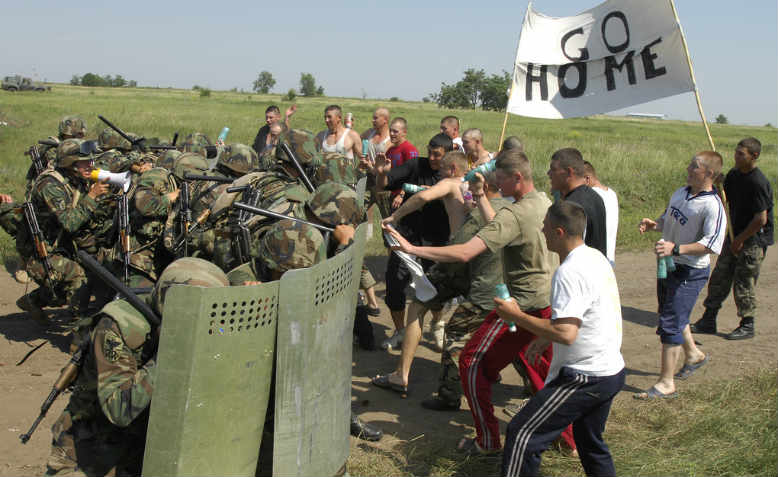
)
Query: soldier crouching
[{"x": 102, "y": 430}]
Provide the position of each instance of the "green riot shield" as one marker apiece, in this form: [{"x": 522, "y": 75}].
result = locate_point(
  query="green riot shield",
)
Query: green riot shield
[
  {"x": 313, "y": 364},
  {"x": 215, "y": 364}
]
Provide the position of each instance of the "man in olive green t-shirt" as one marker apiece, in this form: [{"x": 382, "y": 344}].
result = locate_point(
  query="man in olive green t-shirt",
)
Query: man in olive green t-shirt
[{"x": 517, "y": 231}]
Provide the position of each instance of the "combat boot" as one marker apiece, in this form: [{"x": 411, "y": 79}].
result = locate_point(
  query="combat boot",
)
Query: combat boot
[
  {"x": 26, "y": 303},
  {"x": 744, "y": 331},
  {"x": 706, "y": 324}
]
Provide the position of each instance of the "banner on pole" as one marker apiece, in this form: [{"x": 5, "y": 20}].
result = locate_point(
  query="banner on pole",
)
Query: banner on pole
[{"x": 619, "y": 53}]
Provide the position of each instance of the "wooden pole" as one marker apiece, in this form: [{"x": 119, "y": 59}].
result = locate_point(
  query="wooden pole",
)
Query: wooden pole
[
  {"x": 513, "y": 82},
  {"x": 720, "y": 188}
]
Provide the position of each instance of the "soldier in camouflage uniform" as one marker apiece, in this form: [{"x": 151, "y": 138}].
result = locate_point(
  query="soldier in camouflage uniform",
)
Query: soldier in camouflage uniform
[
  {"x": 66, "y": 207},
  {"x": 102, "y": 431},
  {"x": 69, "y": 127},
  {"x": 196, "y": 142},
  {"x": 118, "y": 155}
]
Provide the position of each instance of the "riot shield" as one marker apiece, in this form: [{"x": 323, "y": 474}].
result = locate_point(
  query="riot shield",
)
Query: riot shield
[
  {"x": 313, "y": 364},
  {"x": 215, "y": 364},
  {"x": 360, "y": 188}
]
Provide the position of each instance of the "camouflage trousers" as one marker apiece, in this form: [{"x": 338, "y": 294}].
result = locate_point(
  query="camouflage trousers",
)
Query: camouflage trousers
[
  {"x": 95, "y": 447},
  {"x": 68, "y": 279},
  {"x": 366, "y": 279},
  {"x": 467, "y": 318},
  {"x": 738, "y": 273}
]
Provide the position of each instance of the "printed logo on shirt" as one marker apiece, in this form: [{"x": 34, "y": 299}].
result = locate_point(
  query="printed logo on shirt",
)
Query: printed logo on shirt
[{"x": 678, "y": 215}]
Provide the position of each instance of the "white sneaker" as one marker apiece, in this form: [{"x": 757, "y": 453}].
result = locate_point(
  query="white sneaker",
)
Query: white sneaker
[
  {"x": 394, "y": 342},
  {"x": 438, "y": 331}
]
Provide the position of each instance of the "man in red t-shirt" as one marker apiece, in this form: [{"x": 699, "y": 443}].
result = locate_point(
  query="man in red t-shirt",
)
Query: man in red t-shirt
[{"x": 400, "y": 152}]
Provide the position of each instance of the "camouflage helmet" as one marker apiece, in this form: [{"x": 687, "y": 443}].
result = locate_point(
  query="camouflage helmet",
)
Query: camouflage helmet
[
  {"x": 191, "y": 162},
  {"x": 196, "y": 142},
  {"x": 336, "y": 168},
  {"x": 72, "y": 126},
  {"x": 168, "y": 159},
  {"x": 238, "y": 158},
  {"x": 186, "y": 271},
  {"x": 73, "y": 150},
  {"x": 302, "y": 143},
  {"x": 335, "y": 204},
  {"x": 157, "y": 180},
  {"x": 289, "y": 245},
  {"x": 110, "y": 139}
]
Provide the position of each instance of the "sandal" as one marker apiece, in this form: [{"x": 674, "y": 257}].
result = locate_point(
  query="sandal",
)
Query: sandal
[
  {"x": 689, "y": 369},
  {"x": 383, "y": 381}
]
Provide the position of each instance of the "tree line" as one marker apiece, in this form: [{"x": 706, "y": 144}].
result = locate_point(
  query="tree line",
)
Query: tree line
[
  {"x": 474, "y": 90},
  {"x": 91, "y": 79}
]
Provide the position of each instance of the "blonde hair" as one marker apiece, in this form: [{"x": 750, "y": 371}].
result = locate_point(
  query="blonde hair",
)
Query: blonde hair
[
  {"x": 456, "y": 158},
  {"x": 712, "y": 161}
]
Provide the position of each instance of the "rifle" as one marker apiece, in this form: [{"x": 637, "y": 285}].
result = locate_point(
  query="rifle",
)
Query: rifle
[
  {"x": 48, "y": 142},
  {"x": 66, "y": 378},
  {"x": 39, "y": 241},
  {"x": 124, "y": 234},
  {"x": 182, "y": 239},
  {"x": 276, "y": 215},
  {"x": 35, "y": 156},
  {"x": 188, "y": 176},
  {"x": 175, "y": 139},
  {"x": 307, "y": 182},
  {"x": 184, "y": 214},
  {"x": 139, "y": 143},
  {"x": 243, "y": 249}
]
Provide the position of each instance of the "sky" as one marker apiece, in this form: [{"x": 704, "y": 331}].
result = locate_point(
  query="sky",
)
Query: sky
[{"x": 372, "y": 49}]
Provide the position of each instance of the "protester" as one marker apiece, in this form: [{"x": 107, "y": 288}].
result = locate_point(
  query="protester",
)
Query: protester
[
  {"x": 587, "y": 370},
  {"x": 378, "y": 135},
  {"x": 473, "y": 143},
  {"x": 449, "y": 126},
  {"x": 693, "y": 227},
  {"x": 611, "y": 202},
  {"x": 750, "y": 200},
  {"x": 567, "y": 176},
  {"x": 272, "y": 115},
  {"x": 426, "y": 226},
  {"x": 337, "y": 137}
]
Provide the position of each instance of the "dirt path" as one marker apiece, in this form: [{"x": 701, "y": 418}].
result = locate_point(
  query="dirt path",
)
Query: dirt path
[{"x": 25, "y": 386}]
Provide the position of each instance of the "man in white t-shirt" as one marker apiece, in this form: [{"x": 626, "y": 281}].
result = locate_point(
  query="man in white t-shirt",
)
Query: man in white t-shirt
[
  {"x": 587, "y": 369},
  {"x": 611, "y": 202},
  {"x": 693, "y": 226}
]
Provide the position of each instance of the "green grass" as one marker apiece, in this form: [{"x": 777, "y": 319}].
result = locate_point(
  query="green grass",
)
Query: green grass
[
  {"x": 716, "y": 428},
  {"x": 643, "y": 160}
]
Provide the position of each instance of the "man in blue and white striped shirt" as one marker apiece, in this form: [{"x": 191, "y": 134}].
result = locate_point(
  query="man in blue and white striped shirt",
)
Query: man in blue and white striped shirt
[{"x": 693, "y": 226}]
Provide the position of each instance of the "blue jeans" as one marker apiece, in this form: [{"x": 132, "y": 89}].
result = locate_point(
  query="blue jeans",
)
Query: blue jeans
[{"x": 584, "y": 401}]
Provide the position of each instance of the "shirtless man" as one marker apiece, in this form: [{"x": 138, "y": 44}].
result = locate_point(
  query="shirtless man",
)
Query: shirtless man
[
  {"x": 449, "y": 191},
  {"x": 473, "y": 142},
  {"x": 378, "y": 135},
  {"x": 336, "y": 138}
]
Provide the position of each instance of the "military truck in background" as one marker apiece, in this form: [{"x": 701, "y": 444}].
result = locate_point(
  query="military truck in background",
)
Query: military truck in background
[{"x": 19, "y": 83}]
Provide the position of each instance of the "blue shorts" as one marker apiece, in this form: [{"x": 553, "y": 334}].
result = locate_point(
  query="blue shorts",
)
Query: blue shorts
[{"x": 677, "y": 295}]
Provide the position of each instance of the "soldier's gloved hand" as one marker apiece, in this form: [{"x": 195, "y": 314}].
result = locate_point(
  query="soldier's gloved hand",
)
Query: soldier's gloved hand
[{"x": 98, "y": 189}]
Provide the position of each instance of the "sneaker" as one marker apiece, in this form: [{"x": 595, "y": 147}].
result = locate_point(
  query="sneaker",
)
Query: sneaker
[
  {"x": 742, "y": 332},
  {"x": 438, "y": 331},
  {"x": 513, "y": 409},
  {"x": 21, "y": 276},
  {"x": 394, "y": 342}
]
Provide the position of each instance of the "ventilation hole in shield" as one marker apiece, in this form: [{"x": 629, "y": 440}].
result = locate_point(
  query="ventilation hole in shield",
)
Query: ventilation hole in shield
[
  {"x": 252, "y": 302},
  {"x": 232, "y": 321},
  {"x": 214, "y": 306},
  {"x": 243, "y": 303},
  {"x": 210, "y": 332},
  {"x": 224, "y": 305}
]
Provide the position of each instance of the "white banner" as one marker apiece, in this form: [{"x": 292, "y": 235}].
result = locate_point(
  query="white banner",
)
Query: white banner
[{"x": 619, "y": 53}]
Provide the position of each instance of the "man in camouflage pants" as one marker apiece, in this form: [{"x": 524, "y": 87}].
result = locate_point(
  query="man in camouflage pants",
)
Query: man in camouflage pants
[
  {"x": 102, "y": 431},
  {"x": 751, "y": 213},
  {"x": 66, "y": 209}
]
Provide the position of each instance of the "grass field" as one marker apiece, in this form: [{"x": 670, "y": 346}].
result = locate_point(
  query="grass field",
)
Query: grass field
[{"x": 643, "y": 160}]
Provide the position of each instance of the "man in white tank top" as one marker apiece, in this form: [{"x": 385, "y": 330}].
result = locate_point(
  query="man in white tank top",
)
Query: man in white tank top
[
  {"x": 378, "y": 135},
  {"x": 338, "y": 138}
]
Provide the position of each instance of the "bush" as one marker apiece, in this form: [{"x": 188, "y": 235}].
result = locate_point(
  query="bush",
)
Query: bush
[
  {"x": 205, "y": 92},
  {"x": 290, "y": 95},
  {"x": 394, "y": 98}
]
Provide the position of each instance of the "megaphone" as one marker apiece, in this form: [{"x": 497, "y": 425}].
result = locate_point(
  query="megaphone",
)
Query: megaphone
[{"x": 118, "y": 179}]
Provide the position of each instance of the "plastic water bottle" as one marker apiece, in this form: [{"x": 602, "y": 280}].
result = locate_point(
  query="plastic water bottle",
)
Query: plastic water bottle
[
  {"x": 412, "y": 188},
  {"x": 670, "y": 264},
  {"x": 223, "y": 135},
  {"x": 661, "y": 266},
  {"x": 365, "y": 146},
  {"x": 501, "y": 290},
  {"x": 482, "y": 169}
]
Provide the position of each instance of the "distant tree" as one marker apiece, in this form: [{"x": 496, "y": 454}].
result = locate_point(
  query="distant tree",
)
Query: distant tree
[
  {"x": 769, "y": 125},
  {"x": 494, "y": 92},
  {"x": 91, "y": 79},
  {"x": 721, "y": 119},
  {"x": 118, "y": 82},
  {"x": 308, "y": 86},
  {"x": 290, "y": 95},
  {"x": 205, "y": 92},
  {"x": 264, "y": 82},
  {"x": 195, "y": 87},
  {"x": 132, "y": 84},
  {"x": 394, "y": 99},
  {"x": 75, "y": 80}
]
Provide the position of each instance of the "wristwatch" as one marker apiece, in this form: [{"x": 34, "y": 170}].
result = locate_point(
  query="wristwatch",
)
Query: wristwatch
[{"x": 676, "y": 250}]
